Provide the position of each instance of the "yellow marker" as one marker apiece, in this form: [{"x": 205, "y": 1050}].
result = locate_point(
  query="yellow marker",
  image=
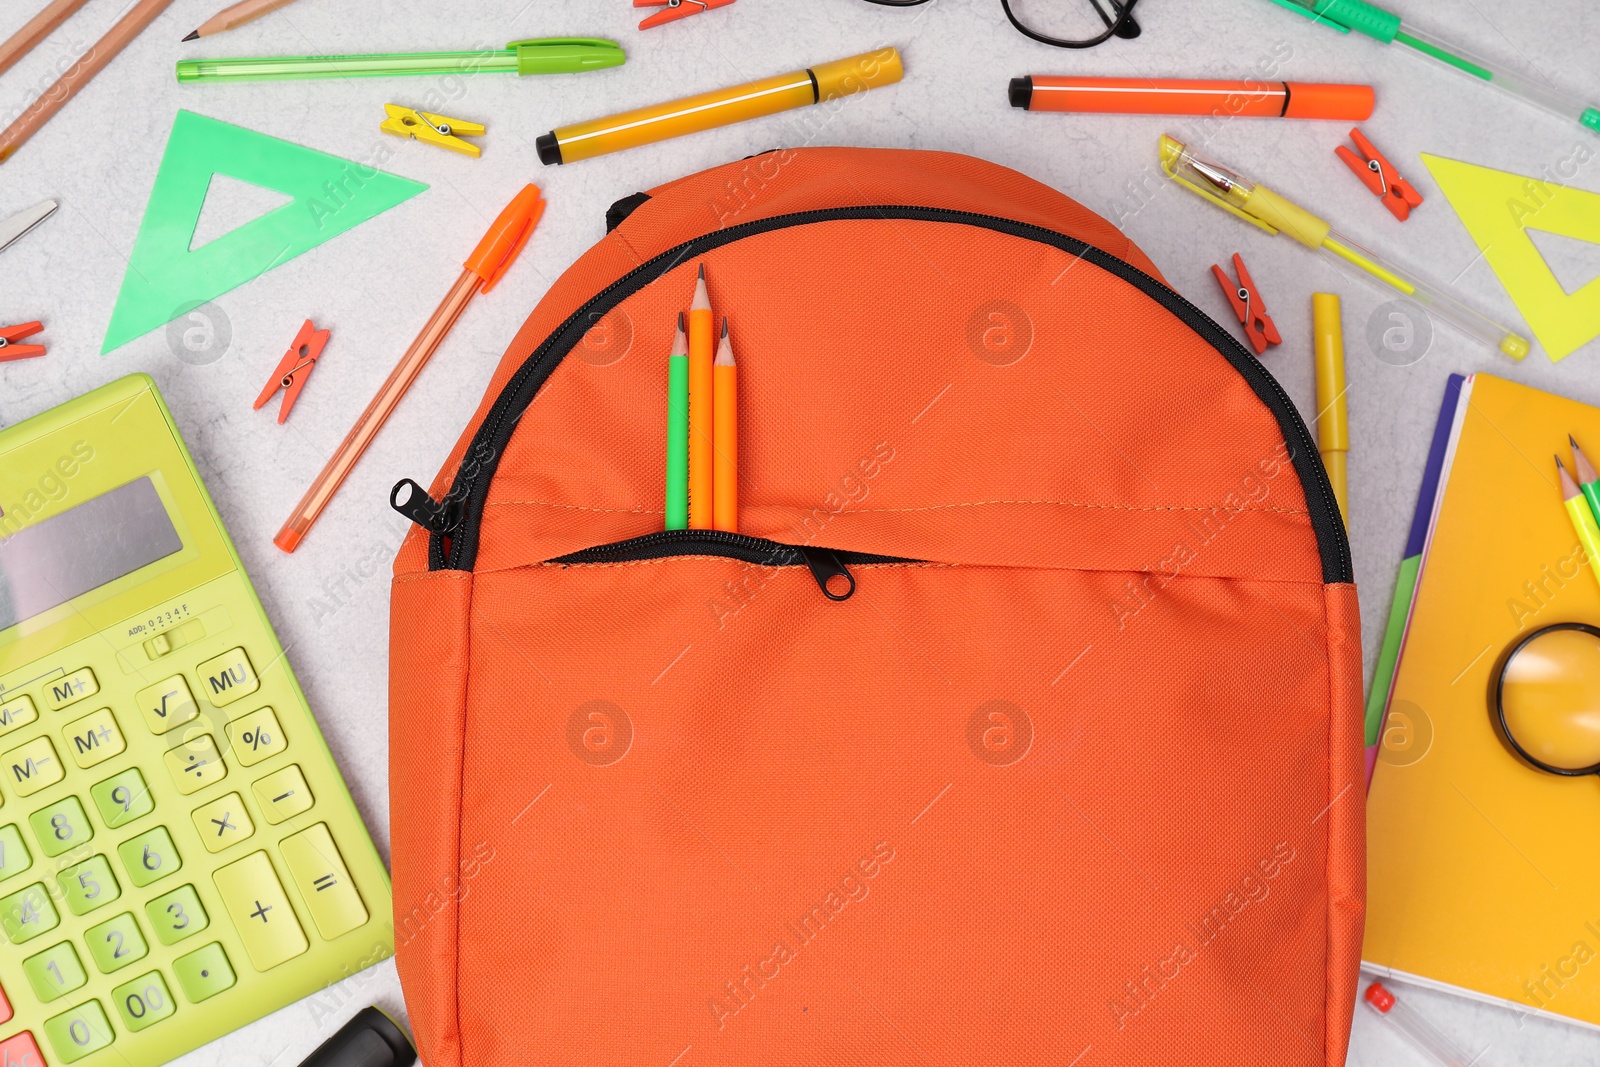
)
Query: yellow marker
[
  {"x": 721, "y": 107},
  {"x": 1333, "y": 418},
  {"x": 1582, "y": 518},
  {"x": 1262, "y": 207}
]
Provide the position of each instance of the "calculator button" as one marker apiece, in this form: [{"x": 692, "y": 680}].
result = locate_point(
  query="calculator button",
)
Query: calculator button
[
  {"x": 27, "y": 913},
  {"x": 283, "y": 794},
  {"x": 259, "y": 908},
  {"x": 32, "y": 766},
  {"x": 223, "y": 822},
  {"x": 150, "y": 856},
  {"x": 116, "y": 943},
  {"x": 196, "y": 764},
  {"x": 61, "y": 826},
  {"x": 121, "y": 799},
  {"x": 78, "y": 685},
  {"x": 75, "y": 1034},
  {"x": 18, "y": 711},
  {"x": 53, "y": 973},
  {"x": 256, "y": 736},
  {"x": 88, "y": 885},
  {"x": 318, "y": 871},
  {"x": 6, "y": 1011},
  {"x": 176, "y": 915},
  {"x": 204, "y": 973},
  {"x": 93, "y": 738},
  {"x": 167, "y": 704},
  {"x": 20, "y": 1051},
  {"x": 142, "y": 1002},
  {"x": 228, "y": 677},
  {"x": 14, "y": 858}
]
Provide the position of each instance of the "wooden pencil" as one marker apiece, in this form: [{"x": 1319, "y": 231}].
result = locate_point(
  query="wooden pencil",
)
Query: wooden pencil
[
  {"x": 678, "y": 431},
  {"x": 725, "y": 406},
  {"x": 48, "y": 103},
  {"x": 231, "y": 18},
  {"x": 701, "y": 426},
  {"x": 35, "y": 30}
]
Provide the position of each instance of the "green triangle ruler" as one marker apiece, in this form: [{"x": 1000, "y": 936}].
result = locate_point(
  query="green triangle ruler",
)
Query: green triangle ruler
[
  {"x": 165, "y": 279},
  {"x": 1498, "y": 208}
]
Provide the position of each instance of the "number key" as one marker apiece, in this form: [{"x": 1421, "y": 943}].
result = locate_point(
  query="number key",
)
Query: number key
[
  {"x": 143, "y": 1002},
  {"x": 61, "y": 826},
  {"x": 75, "y": 1034},
  {"x": 150, "y": 856},
  {"x": 116, "y": 943},
  {"x": 122, "y": 798},
  {"x": 88, "y": 885},
  {"x": 167, "y": 704},
  {"x": 14, "y": 857},
  {"x": 27, "y": 913},
  {"x": 177, "y": 915},
  {"x": 53, "y": 973}
]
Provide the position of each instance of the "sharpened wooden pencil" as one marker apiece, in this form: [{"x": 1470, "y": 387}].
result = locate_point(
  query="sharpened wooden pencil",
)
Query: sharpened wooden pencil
[
  {"x": 701, "y": 428},
  {"x": 231, "y": 18},
  {"x": 35, "y": 30},
  {"x": 725, "y": 440}
]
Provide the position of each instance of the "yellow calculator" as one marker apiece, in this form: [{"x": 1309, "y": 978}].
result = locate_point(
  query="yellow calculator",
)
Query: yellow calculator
[{"x": 178, "y": 853}]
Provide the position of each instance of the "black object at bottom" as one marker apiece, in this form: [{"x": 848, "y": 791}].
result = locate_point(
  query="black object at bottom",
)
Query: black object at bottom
[{"x": 371, "y": 1039}]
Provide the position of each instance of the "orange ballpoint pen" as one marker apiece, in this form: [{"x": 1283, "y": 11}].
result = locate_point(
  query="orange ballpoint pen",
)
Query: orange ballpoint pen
[{"x": 482, "y": 270}]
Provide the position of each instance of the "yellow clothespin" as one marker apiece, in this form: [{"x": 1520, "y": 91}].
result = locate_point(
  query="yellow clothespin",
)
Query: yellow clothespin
[{"x": 432, "y": 129}]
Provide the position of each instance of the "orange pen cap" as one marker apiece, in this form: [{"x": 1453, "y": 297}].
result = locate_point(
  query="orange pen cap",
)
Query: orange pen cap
[
  {"x": 1309, "y": 100},
  {"x": 506, "y": 237}
]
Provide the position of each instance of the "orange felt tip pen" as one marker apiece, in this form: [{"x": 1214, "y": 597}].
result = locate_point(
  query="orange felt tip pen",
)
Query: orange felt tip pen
[
  {"x": 1182, "y": 96},
  {"x": 482, "y": 270}
]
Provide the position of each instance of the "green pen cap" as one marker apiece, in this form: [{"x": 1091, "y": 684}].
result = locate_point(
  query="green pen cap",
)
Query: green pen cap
[
  {"x": 1347, "y": 15},
  {"x": 566, "y": 55}
]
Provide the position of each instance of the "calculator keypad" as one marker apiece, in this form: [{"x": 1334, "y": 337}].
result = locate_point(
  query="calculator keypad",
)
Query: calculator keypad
[{"x": 122, "y": 882}]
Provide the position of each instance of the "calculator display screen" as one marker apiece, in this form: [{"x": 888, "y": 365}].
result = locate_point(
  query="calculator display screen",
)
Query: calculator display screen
[{"x": 83, "y": 548}]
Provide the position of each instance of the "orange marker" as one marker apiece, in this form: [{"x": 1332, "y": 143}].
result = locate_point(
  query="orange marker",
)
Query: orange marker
[
  {"x": 701, "y": 419},
  {"x": 1184, "y": 96},
  {"x": 725, "y": 403}
]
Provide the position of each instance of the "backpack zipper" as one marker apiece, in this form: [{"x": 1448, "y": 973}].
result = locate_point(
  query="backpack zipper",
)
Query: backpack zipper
[
  {"x": 453, "y": 541},
  {"x": 827, "y": 565}
]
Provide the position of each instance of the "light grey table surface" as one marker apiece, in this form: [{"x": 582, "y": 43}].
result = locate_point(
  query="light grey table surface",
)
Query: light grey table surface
[{"x": 376, "y": 284}]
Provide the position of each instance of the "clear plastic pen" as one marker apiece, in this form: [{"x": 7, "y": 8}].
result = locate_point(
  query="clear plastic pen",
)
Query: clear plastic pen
[
  {"x": 1417, "y": 1029},
  {"x": 1262, "y": 207}
]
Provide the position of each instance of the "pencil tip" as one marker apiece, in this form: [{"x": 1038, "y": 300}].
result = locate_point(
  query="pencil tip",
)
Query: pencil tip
[
  {"x": 724, "y": 326},
  {"x": 702, "y": 272},
  {"x": 1573, "y": 441},
  {"x": 1559, "y": 464},
  {"x": 681, "y": 324},
  {"x": 194, "y": 35}
]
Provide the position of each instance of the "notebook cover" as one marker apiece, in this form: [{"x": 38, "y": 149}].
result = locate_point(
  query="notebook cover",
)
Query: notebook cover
[{"x": 1482, "y": 872}]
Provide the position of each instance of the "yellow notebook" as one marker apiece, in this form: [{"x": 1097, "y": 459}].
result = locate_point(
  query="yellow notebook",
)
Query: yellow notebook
[{"x": 1483, "y": 873}]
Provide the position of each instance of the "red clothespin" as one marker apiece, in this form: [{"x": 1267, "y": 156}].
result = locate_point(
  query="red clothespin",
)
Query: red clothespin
[
  {"x": 1247, "y": 304},
  {"x": 1380, "y": 177},
  {"x": 294, "y": 368},
  {"x": 10, "y": 342},
  {"x": 675, "y": 10}
]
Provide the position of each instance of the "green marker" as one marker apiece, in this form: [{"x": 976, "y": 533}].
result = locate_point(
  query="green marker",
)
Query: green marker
[
  {"x": 551, "y": 55},
  {"x": 1385, "y": 26},
  {"x": 678, "y": 431}
]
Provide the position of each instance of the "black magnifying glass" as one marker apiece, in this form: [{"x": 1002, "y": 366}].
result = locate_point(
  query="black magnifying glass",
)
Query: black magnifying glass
[{"x": 1547, "y": 698}]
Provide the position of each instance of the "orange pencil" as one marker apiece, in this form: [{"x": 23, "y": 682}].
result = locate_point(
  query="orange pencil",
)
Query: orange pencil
[
  {"x": 725, "y": 403},
  {"x": 701, "y": 419}
]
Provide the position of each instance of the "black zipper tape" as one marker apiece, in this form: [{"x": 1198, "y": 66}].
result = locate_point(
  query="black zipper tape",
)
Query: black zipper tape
[{"x": 457, "y": 547}]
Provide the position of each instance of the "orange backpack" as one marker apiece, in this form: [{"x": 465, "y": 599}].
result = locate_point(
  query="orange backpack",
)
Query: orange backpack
[{"x": 1061, "y": 767}]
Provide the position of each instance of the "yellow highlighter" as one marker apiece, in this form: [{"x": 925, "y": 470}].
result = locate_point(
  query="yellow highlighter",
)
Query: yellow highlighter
[
  {"x": 1262, "y": 207},
  {"x": 1333, "y": 417},
  {"x": 721, "y": 107}
]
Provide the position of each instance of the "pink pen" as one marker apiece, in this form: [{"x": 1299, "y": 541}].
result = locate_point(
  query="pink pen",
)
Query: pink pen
[{"x": 1418, "y": 1030}]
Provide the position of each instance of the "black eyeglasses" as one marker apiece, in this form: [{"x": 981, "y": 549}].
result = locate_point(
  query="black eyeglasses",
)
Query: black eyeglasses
[{"x": 1067, "y": 24}]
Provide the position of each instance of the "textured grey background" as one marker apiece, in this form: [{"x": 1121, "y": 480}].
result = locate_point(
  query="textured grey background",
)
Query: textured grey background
[{"x": 376, "y": 284}]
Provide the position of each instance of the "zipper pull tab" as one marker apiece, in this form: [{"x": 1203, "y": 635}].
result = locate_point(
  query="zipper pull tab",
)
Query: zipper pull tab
[
  {"x": 829, "y": 570},
  {"x": 413, "y": 501}
]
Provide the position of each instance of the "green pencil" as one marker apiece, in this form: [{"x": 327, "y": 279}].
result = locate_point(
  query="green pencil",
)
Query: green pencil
[
  {"x": 678, "y": 431},
  {"x": 1588, "y": 480}
]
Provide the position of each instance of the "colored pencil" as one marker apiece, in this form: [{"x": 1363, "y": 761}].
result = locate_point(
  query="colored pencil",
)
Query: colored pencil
[
  {"x": 35, "y": 30},
  {"x": 725, "y": 403},
  {"x": 92, "y": 62},
  {"x": 701, "y": 425},
  {"x": 678, "y": 431},
  {"x": 1588, "y": 480},
  {"x": 231, "y": 18},
  {"x": 1583, "y": 521}
]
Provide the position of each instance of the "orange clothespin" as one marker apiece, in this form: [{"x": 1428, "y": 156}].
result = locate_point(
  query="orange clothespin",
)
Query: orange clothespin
[
  {"x": 294, "y": 368},
  {"x": 675, "y": 10},
  {"x": 1247, "y": 304},
  {"x": 1380, "y": 177},
  {"x": 10, "y": 342}
]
